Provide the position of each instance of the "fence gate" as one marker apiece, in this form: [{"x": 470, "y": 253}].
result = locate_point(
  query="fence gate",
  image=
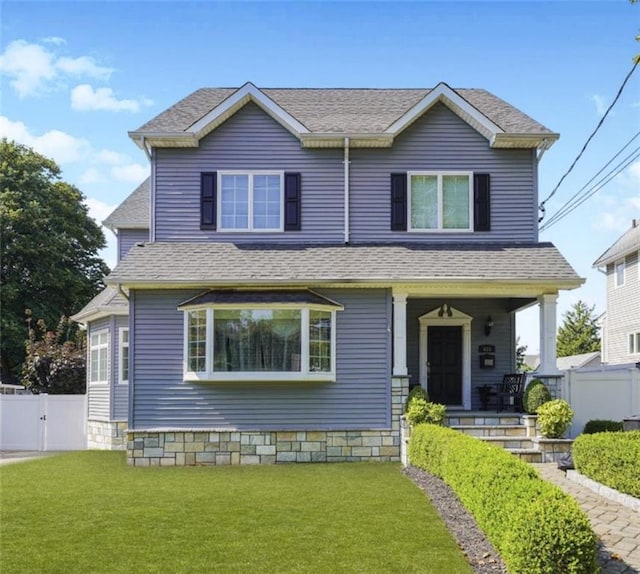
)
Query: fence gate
[{"x": 43, "y": 422}]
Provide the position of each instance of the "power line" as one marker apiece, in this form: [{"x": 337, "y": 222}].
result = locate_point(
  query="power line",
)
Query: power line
[
  {"x": 568, "y": 204},
  {"x": 584, "y": 147},
  {"x": 624, "y": 164}
]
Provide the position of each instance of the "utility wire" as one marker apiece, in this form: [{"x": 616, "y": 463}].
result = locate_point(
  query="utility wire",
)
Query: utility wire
[
  {"x": 584, "y": 147},
  {"x": 567, "y": 205},
  {"x": 624, "y": 164}
]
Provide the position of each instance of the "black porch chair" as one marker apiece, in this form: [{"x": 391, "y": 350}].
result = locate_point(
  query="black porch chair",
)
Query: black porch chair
[{"x": 510, "y": 391}]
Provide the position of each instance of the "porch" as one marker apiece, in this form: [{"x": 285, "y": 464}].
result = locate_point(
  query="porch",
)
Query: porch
[{"x": 459, "y": 348}]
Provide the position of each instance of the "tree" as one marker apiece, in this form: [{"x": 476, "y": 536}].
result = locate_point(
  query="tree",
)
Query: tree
[
  {"x": 521, "y": 351},
  {"x": 579, "y": 333},
  {"x": 49, "y": 248},
  {"x": 56, "y": 360}
]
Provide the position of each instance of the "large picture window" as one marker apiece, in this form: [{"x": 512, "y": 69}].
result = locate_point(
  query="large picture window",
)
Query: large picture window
[
  {"x": 99, "y": 357},
  {"x": 260, "y": 343},
  {"x": 440, "y": 201},
  {"x": 250, "y": 201}
]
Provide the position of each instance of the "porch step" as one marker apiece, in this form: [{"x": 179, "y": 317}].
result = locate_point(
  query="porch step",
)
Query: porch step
[
  {"x": 482, "y": 419},
  {"x": 509, "y": 442},
  {"x": 492, "y": 430},
  {"x": 527, "y": 454}
]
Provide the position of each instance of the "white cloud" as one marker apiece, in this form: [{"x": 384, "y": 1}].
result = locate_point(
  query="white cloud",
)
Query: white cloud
[
  {"x": 60, "y": 146},
  {"x": 110, "y": 157},
  {"x": 91, "y": 176},
  {"x": 131, "y": 173},
  {"x": 99, "y": 210},
  {"x": 34, "y": 69},
  {"x": 85, "y": 98},
  {"x": 55, "y": 40},
  {"x": 600, "y": 103}
]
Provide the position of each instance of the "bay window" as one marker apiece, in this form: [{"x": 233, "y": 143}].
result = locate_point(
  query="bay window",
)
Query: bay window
[{"x": 277, "y": 341}]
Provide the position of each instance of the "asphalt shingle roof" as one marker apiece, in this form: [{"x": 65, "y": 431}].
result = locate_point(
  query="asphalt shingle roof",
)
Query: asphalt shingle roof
[
  {"x": 627, "y": 243},
  {"x": 346, "y": 110},
  {"x": 109, "y": 300},
  {"x": 246, "y": 264},
  {"x": 133, "y": 212}
]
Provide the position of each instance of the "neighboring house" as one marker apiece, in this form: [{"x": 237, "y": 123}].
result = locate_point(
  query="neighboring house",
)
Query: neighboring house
[
  {"x": 312, "y": 253},
  {"x": 621, "y": 322},
  {"x": 583, "y": 360}
]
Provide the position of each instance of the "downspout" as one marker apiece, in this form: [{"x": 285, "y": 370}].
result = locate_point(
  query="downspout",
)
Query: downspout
[
  {"x": 543, "y": 148},
  {"x": 152, "y": 220},
  {"x": 145, "y": 148},
  {"x": 122, "y": 292},
  {"x": 346, "y": 190}
]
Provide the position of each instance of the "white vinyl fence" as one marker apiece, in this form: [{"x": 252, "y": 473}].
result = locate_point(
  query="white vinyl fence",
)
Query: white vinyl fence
[
  {"x": 43, "y": 422},
  {"x": 609, "y": 392}
]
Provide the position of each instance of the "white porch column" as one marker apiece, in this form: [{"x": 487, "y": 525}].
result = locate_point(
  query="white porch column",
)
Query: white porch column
[
  {"x": 548, "y": 365},
  {"x": 399, "y": 334}
]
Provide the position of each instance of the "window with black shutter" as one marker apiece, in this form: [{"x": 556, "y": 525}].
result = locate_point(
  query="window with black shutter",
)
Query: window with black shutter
[{"x": 208, "y": 183}]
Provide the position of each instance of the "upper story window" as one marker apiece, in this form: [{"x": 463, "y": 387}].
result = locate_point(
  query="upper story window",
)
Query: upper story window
[
  {"x": 123, "y": 343},
  {"x": 634, "y": 343},
  {"x": 427, "y": 201},
  {"x": 440, "y": 202},
  {"x": 250, "y": 201},
  {"x": 99, "y": 357},
  {"x": 251, "y": 341},
  {"x": 619, "y": 273}
]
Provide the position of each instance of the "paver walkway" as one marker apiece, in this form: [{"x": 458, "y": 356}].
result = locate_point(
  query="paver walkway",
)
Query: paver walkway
[{"x": 617, "y": 526}]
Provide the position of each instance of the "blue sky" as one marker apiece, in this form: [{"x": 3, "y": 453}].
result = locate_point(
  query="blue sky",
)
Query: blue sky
[{"x": 76, "y": 77}]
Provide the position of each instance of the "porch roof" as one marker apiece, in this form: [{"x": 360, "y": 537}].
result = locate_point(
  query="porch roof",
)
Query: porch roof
[{"x": 177, "y": 264}]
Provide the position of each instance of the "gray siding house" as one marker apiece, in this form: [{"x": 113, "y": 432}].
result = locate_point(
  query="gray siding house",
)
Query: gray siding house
[
  {"x": 300, "y": 257},
  {"x": 621, "y": 322}
]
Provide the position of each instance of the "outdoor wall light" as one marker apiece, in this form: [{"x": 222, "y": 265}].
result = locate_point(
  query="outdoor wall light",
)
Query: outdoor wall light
[{"x": 488, "y": 326}]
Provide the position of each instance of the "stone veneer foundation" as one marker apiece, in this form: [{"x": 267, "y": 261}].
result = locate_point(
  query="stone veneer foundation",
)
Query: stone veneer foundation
[
  {"x": 189, "y": 447},
  {"x": 107, "y": 435}
]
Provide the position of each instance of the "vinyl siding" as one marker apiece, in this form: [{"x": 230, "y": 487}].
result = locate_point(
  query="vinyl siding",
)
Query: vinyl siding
[
  {"x": 623, "y": 312},
  {"x": 120, "y": 403},
  {"x": 439, "y": 141},
  {"x": 249, "y": 140},
  {"x": 359, "y": 399},
  {"x": 127, "y": 238},
  {"x": 99, "y": 396},
  {"x": 502, "y": 337}
]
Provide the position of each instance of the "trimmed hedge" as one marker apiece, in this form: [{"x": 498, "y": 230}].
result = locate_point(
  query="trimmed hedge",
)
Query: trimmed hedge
[
  {"x": 535, "y": 395},
  {"x": 598, "y": 425},
  {"x": 612, "y": 458},
  {"x": 536, "y": 527}
]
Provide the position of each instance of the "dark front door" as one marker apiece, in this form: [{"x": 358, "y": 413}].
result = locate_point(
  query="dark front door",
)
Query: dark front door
[{"x": 444, "y": 365}]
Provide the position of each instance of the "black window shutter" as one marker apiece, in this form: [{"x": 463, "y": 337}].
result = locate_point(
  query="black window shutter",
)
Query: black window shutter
[
  {"x": 292, "y": 202},
  {"x": 398, "y": 202},
  {"x": 208, "y": 183},
  {"x": 481, "y": 202}
]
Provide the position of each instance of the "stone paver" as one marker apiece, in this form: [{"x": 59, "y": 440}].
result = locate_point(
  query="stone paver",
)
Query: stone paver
[{"x": 617, "y": 526}]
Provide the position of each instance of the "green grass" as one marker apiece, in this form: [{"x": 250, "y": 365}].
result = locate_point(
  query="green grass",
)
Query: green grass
[{"x": 89, "y": 512}]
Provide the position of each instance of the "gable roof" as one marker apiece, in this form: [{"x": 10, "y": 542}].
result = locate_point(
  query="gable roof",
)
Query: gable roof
[
  {"x": 227, "y": 264},
  {"x": 322, "y": 117},
  {"x": 133, "y": 212},
  {"x": 108, "y": 302},
  {"x": 578, "y": 361},
  {"x": 627, "y": 243}
]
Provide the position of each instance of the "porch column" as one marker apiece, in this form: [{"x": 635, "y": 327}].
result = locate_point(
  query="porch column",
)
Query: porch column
[
  {"x": 399, "y": 334},
  {"x": 548, "y": 364}
]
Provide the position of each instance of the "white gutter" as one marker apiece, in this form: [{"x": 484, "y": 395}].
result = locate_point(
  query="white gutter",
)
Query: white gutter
[
  {"x": 346, "y": 190},
  {"x": 145, "y": 148}
]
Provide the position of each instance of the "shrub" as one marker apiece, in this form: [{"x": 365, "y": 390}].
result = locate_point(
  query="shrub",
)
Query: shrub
[
  {"x": 535, "y": 526},
  {"x": 535, "y": 394},
  {"x": 554, "y": 418},
  {"x": 415, "y": 393},
  {"x": 420, "y": 411},
  {"x": 597, "y": 425},
  {"x": 612, "y": 458}
]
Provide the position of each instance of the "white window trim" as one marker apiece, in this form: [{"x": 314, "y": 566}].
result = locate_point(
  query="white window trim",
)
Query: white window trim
[
  {"x": 439, "y": 175},
  {"x": 98, "y": 347},
  {"x": 616, "y": 283},
  {"x": 250, "y": 228},
  {"x": 121, "y": 346},
  {"x": 635, "y": 337},
  {"x": 303, "y": 375}
]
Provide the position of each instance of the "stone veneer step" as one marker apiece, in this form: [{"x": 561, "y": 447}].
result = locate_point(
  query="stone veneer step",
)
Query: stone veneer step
[
  {"x": 491, "y": 430},
  {"x": 508, "y": 442}
]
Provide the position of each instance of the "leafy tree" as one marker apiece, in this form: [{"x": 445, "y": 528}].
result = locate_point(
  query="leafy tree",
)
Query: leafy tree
[
  {"x": 56, "y": 360},
  {"x": 579, "y": 333},
  {"x": 49, "y": 248},
  {"x": 521, "y": 350}
]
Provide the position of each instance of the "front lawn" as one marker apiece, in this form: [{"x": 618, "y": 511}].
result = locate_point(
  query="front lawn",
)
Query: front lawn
[{"x": 89, "y": 512}]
